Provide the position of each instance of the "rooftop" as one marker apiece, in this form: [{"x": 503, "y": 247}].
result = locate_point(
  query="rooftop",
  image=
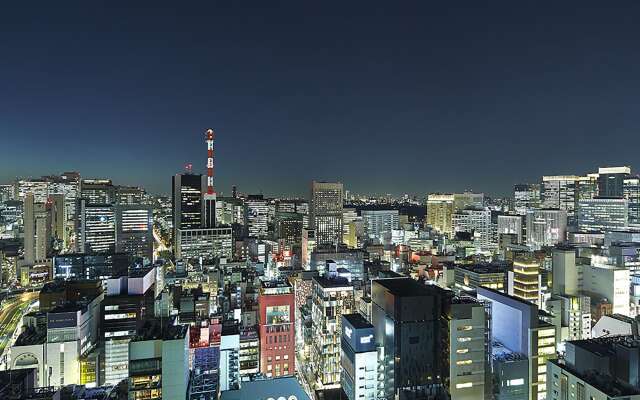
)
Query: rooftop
[
  {"x": 357, "y": 321},
  {"x": 405, "y": 287},
  {"x": 604, "y": 383},
  {"x": 156, "y": 329},
  {"x": 332, "y": 282},
  {"x": 483, "y": 268}
]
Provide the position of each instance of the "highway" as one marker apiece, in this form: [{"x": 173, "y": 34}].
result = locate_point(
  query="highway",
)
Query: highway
[
  {"x": 11, "y": 315},
  {"x": 160, "y": 246}
]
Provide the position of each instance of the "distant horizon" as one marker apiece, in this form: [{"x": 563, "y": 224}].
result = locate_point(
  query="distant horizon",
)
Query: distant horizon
[
  {"x": 304, "y": 195},
  {"x": 385, "y": 97}
]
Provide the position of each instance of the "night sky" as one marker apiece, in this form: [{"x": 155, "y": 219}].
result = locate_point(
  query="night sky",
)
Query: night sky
[{"x": 386, "y": 97}]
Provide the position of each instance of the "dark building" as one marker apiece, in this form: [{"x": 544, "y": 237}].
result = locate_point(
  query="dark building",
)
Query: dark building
[
  {"x": 611, "y": 181},
  {"x": 410, "y": 321},
  {"x": 187, "y": 207},
  {"x": 91, "y": 266}
]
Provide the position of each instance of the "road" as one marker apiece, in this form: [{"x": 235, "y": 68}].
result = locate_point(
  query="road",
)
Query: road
[
  {"x": 160, "y": 246},
  {"x": 11, "y": 314}
]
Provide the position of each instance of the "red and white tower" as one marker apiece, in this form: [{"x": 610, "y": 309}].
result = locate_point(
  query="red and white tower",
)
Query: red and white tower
[
  {"x": 209, "y": 198},
  {"x": 209, "y": 138}
]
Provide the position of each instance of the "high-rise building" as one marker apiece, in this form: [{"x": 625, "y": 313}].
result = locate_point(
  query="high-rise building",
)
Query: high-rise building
[
  {"x": 546, "y": 227},
  {"x": 602, "y": 214},
  {"x": 474, "y": 221},
  {"x": 378, "y": 224},
  {"x": 208, "y": 243},
  {"x": 187, "y": 202},
  {"x": 95, "y": 227},
  {"x": 516, "y": 325},
  {"x": 58, "y": 211},
  {"x": 510, "y": 225},
  {"x": 29, "y": 228},
  {"x": 359, "y": 361},
  {"x": 98, "y": 191},
  {"x": 611, "y": 181},
  {"x": 276, "y": 320},
  {"x": 159, "y": 362},
  {"x": 410, "y": 322},
  {"x": 526, "y": 197},
  {"x": 559, "y": 192},
  {"x": 631, "y": 192},
  {"x": 469, "y": 350},
  {"x": 308, "y": 246},
  {"x": 130, "y": 195},
  {"x": 440, "y": 212},
  {"x": 257, "y": 208},
  {"x": 128, "y": 303},
  {"x": 466, "y": 200},
  {"x": 331, "y": 298},
  {"x": 325, "y": 211},
  {"x": 134, "y": 230},
  {"x": 525, "y": 280}
]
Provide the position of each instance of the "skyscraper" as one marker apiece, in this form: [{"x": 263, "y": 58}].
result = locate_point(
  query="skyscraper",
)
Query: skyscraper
[
  {"x": 95, "y": 227},
  {"x": 135, "y": 230},
  {"x": 440, "y": 212},
  {"x": 325, "y": 211},
  {"x": 187, "y": 192},
  {"x": 602, "y": 214}
]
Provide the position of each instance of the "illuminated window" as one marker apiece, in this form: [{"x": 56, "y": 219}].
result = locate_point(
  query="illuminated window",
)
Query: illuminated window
[{"x": 464, "y": 385}]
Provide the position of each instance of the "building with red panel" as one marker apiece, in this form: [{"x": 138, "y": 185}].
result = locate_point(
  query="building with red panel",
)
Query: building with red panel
[{"x": 277, "y": 329}]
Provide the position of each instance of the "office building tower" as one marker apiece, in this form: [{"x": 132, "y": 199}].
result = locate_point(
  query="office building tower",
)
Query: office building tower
[
  {"x": 611, "y": 181},
  {"x": 343, "y": 257},
  {"x": 159, "y": 362},
  {"x": 130, "y": 195},
  {"x": 288, "y": 229},
  {"x": 58, "y": 212},
  {"x": 331, "y": 298},
  {"x": 308, "y": 246},
  {"x": 526, "y": 197},
  {"x": 98, "y": 191},
  {"x": 566, "y": 275},
  {"x": 359, "y": 360},
  {"x": 631, "y": 193},
  {"x": 38, "y": 187},
  {"x": 477, "y": 222},
  {"x": 602, "y": 214},
  {"x": 559, "y": 192},
  {"x": 411, "y": 329},
  {"x": 187, "y": 202},
  {"x": 604, "y": 368},
  {"x": 470, "y": 349},
  {"x": 325, "y": 211},
  {"x": 128, "y": 303},
  {"x": 135, "y": 230},
  {"x": 276, "y": 305},
  {"x": 440, "y": 212},
  {"x": 524, "y": 281},
  {"x": 378, "y": 224},
  {"x": 546, "y": 228},
  {"x": 95, "y": 228},
  {"x": 510, "y": 225},
  {"x": 257, "y": 208},
  {"x": 205, "y": 243},
  {"x": 466, "y": 200},
  {"x": 91, "y": 266},
  {"x": 517, "y": 327},
  {"x": 29, "y": 229}
]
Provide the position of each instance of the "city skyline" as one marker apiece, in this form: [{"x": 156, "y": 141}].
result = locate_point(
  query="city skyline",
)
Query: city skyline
[{"x": 398, "y": 98}]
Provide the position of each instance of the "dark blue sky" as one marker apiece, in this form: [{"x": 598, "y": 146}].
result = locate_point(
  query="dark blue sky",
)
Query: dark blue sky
[{"x": 387, "y": 97}]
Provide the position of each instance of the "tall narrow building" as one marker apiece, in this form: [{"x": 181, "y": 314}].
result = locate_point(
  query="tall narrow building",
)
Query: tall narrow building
[
  {"x": 325, "y": 211},
  {"x": 187, "y": 192}
]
